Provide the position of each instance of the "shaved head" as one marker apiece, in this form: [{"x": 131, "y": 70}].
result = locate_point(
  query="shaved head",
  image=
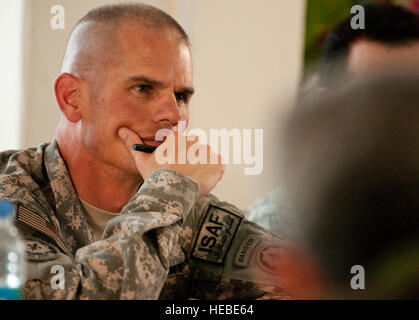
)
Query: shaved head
[
  {"x": 89, "y": 47},
  {"x": 93, "y": 43}
]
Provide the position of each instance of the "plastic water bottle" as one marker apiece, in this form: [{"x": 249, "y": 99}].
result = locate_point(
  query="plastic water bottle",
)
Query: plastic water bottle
[{"x": 12, "y": 254}]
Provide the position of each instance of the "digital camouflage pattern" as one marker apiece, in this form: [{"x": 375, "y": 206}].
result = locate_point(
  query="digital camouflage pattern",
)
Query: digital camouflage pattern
[{"x": 165, "y": 244}]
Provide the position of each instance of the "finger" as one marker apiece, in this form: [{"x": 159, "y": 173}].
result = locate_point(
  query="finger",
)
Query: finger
[{"x": 129, "y": 138}]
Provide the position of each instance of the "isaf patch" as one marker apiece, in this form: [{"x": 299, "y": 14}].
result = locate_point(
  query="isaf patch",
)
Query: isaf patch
[
  {"x": 215, "y": 235},
  {"x": 38, "y": 250}
]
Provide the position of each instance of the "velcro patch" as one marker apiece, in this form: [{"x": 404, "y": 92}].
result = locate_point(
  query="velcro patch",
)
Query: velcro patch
[
  {"x": 245, "y": 251},
  {"x": 38, "y": 250},
  {"x": 215, "y": 235},
  {"x": 270, "y": 258}
]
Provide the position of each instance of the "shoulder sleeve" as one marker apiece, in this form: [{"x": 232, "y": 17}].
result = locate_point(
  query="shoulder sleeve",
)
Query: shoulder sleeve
[
  {"x": 132, "y": 260},
  {"x": 231, "y": 257}
]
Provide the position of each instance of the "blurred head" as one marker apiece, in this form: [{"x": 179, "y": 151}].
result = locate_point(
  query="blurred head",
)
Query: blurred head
[
  {"x": 126, "y": 65},
  {"x": 352, "y": 176},
  {"x": 390, "y": 38}
]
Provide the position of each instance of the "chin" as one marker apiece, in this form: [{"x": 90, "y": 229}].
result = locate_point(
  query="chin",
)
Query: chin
[{"x": 130, "y": 168}]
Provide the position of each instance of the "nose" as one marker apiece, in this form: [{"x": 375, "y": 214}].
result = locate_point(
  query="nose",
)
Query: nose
[{"x": 167, "y": 112}]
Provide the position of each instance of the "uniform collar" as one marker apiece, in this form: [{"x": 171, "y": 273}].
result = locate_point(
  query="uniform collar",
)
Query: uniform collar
[{"x": 69, "y": 211}]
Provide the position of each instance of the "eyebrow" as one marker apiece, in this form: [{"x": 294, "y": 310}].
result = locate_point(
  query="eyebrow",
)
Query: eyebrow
[{"x": 158, "y": 84}]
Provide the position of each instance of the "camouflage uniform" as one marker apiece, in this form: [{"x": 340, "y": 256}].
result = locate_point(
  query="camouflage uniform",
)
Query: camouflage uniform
[{"x": 165, "y": 243}]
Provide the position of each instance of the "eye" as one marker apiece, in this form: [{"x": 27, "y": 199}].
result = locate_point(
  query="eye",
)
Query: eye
[
  {"x": 181, "y": 97},
  {"x": 143, "y": 88}
]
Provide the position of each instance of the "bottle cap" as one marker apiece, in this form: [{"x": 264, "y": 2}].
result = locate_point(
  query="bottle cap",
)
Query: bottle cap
[{"x": 7, "y": 209}]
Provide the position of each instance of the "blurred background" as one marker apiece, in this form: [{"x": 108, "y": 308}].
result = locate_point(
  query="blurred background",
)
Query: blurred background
[
  {"x": 249, "y": 60},
  {"x": 323, "y": 15}
]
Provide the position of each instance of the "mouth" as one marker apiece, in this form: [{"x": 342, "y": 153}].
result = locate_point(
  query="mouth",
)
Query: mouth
[{"x": 149, "y": 141}]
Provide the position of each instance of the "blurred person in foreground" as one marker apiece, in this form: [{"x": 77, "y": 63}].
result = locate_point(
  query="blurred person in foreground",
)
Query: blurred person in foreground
[
  {"x": 102, "y": 221},
  {"x": 390, "y": 39},
  {"x": 352, "y": 175}
]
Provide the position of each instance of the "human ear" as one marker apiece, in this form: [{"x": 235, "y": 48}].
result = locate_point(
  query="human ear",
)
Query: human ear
[{"x": 67, "y": 90}]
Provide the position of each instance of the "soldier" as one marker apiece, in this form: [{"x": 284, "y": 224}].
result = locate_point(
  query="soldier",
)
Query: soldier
[
  {"x": 390, "y": 39},
  {"x": 103, "y": 221},
  {"x": 352, "y": 175}
]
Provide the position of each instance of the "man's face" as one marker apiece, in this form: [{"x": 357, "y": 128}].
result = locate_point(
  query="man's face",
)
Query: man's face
[
  {"x": 146, "y": 87},
  {"x": 369, "y": 56}
]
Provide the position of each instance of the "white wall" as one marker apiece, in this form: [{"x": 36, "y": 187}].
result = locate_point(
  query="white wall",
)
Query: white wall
[
  {"x": 248, "y": 60},
  {"x": 247, "y": 63},
  {"x": 11, "y": 19}
]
